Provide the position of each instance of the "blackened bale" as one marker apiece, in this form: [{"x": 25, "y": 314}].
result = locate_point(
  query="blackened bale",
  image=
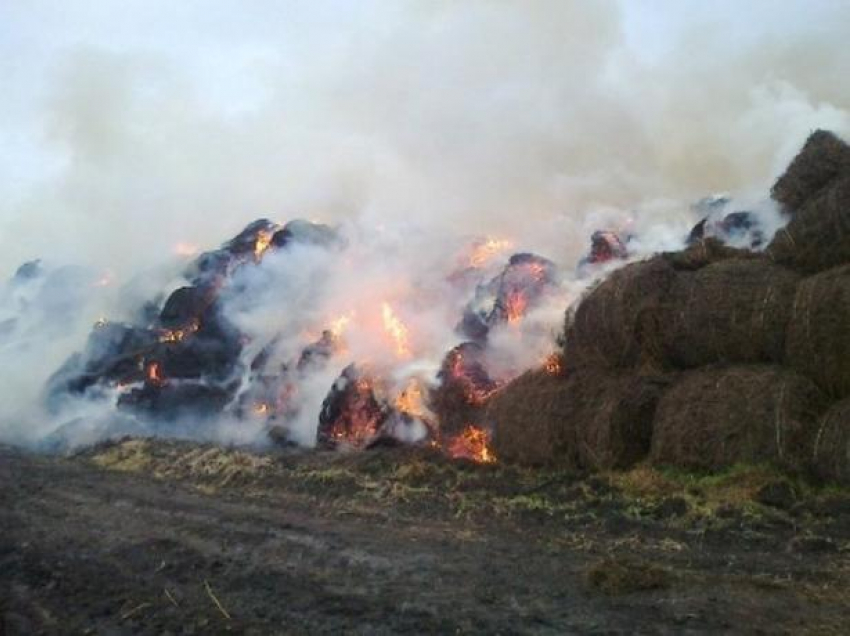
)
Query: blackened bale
[
  {"x": 716, "y": 417},
  {"x": 818, "y": 342}
]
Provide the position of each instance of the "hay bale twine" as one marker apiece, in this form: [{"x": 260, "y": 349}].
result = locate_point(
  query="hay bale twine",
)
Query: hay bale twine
[
  {"x": 818, "y": 340},
  {"x": 733, "y": 311},
  {"x": 603, "y": 330},
  {"x": 713, "y": 418},
  {"x": 831, "y": 453},
  {"x": 822, "y": 158},
  {"x": 590, "y": 420},
  {"x": 818, "y": 236}
]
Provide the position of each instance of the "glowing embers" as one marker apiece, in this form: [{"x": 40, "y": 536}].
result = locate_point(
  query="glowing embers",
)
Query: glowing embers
[
  {"x": 464, "y": 367},
  {"x": 554, "y": 364},
  {"x": 473, "y": 444},
  {"x": 351, "y": 414},
  {"x": 397, "y": 330},
  {"x": 177, "y": 335},
  {"x": 153, "y": 374}
]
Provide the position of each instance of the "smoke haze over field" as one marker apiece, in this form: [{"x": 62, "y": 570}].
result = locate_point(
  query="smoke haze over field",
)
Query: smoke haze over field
[{"x": 128, "y": 127}]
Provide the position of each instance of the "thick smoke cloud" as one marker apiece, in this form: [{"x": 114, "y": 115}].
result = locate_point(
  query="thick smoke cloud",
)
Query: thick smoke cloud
[{"x": 139, "y": 126}]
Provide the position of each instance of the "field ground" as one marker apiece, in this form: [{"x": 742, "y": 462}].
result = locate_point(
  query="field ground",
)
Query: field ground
[{"x": 161, "y": 537}]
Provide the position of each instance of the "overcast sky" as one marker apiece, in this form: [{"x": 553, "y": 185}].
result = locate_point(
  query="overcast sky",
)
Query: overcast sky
[{"x": 151, "y": 114}]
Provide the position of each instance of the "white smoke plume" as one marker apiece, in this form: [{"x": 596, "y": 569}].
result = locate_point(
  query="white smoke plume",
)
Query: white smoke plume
[{"x": 141, "y": 129}]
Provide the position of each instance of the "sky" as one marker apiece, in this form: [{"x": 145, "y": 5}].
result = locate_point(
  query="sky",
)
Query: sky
[{"x": 128, "y": 126}]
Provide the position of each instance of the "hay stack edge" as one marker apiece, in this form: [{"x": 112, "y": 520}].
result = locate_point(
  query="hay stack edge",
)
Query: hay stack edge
[{"x": 709, "y": 356}]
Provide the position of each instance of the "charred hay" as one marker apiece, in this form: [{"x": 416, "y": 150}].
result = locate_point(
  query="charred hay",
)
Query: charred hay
[
  {"x": 823, "y": 157},
  {"x": 818, "y": 342},
  {"x": 817, "y": 238},
  {"x": 713, "y": 418},
  {"x": 733, "y": 311},
  {"x": 831, "y": 452},
  {"x": 591, "y": 420}
]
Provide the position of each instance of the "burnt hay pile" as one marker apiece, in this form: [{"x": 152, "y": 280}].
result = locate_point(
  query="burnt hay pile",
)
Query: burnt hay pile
[{"x": 709, "y": 356}]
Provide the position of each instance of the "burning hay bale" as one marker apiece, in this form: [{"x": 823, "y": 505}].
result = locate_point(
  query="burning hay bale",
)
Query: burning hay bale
[
  {"x": 507, "y": 298},
  {"x": 823, "y": 157},
  {"x": 733, "y": 311},
  {"x": 818, "y": 236},
  {"x": 831, "y": 454},
  {"x": 463, "y": 388},
  {"x": 818, "y": 342},
  {"x": 606, "y": 327},
  {"x": 713, "y": 418},
  {"x": 592, "y": 421},
  {"x": 351, "y": 413}
]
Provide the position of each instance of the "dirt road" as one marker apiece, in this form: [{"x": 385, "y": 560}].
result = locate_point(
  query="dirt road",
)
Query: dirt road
[{"x": 392, "y": 545}]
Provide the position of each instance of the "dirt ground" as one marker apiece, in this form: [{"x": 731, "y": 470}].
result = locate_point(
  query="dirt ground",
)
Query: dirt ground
[{"x": 175, "y": 538}]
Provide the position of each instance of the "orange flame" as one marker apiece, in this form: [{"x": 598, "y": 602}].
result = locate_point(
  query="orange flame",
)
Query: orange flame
[
  {"x": 487, "y": 250},
  {"x": 154, "y": 375},
  {"x": 516, "y": 304},
  {"x": 397, "y": 330},
  {"x": 411, "y": 401},
  {"x": 264, "y": 239},
  {"x": 472, "y": 444},
  {"x": 262, "y": 409}
]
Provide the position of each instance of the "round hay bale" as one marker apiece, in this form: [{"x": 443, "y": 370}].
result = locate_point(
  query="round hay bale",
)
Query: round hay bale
[
  {"x": 818, "y": 236},
  {"x": 714, "y": 418},
  {"x": 831, "y": 453},
  {"x": 818, "y": 340},
  {"x": 821, "y": 159},
  {"x": 604, "y": 329},
  {"x": 613, "y": 419},
  {"x": 590, "y": 420},
  {"x": 530, "y": 419},
  {"x": 733, "y": 311}
]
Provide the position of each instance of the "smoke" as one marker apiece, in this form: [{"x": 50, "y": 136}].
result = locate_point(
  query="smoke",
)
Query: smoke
[{"x": 413, "y": 124}]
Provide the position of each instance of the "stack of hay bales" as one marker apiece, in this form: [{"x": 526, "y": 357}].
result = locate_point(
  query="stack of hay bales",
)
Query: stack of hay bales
[
  {"x": 591, "y": 421},
  {"x": 737, "y": 355}
]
